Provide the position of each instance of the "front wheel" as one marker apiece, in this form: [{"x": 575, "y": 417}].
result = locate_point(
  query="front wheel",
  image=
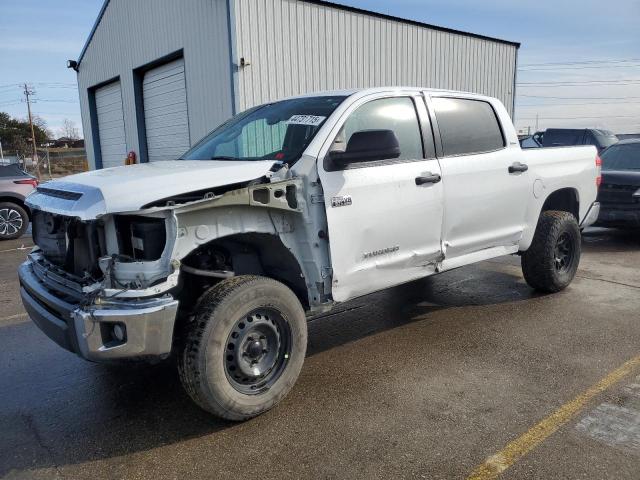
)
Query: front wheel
[
  {"x": 245, "y": 348},
  {"x": 551, "y": 261}
]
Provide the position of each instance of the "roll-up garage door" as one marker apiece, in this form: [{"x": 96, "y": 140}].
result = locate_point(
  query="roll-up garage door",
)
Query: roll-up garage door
[
  {"x": 113, "y": 146},
  {"x": 165, "y": 111}
]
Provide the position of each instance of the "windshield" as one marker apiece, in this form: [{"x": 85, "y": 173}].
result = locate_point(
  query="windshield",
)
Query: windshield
[
  {"x": 275, "y": 131},
  {"x": 622, "y": 157}
]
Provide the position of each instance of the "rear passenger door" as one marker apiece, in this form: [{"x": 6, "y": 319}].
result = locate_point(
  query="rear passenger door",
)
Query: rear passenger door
[{"x": 484, "y": 201}]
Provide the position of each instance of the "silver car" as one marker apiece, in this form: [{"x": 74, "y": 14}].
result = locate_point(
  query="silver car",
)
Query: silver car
[{"x": 15, "y": 185}]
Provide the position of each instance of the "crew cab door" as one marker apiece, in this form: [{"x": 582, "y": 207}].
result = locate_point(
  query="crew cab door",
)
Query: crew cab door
[
  {"x": 486, "y": 186},
  {"x": 384, "y": 216}
]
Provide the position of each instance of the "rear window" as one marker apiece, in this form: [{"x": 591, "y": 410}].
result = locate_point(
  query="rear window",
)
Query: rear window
[
  {"x": 467, "y": 126},
  {"x": 622, "y": 157},
  {"x": 562, "y": 138}
]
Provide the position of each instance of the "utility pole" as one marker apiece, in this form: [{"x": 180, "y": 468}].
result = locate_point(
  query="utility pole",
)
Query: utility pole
[
  {"x": 1, "y": 153},
  {"x": 537, "y": 123},
  {"x": 27, "y": 92}
]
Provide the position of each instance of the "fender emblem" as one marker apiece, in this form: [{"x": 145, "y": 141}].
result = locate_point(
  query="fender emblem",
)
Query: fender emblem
[
  {"x": 383, "y": 251},
  {"x": 341, "y": 201}
]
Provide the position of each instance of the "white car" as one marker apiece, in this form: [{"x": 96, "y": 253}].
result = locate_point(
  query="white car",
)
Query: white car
[{"x": 284, "y": 211}]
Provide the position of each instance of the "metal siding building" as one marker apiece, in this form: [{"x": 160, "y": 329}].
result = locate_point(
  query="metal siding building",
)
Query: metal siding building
[{"x": 182, "y": 68}]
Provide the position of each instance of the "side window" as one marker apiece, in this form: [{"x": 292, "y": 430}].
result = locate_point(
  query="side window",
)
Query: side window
[
  {"x": 396, "y": 114},
  {"x": 467, "y": 126}
]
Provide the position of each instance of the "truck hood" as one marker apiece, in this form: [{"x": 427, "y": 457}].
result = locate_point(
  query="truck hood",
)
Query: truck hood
[{"x": 92, "y": 194}]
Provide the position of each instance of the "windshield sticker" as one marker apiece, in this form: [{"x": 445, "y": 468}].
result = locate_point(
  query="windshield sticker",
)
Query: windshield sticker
[{"x": 313, "y": 120}]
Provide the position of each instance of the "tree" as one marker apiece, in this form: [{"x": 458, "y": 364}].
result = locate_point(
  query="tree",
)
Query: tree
[
  {"x": 69, "y": 130},
  {"x": 15, "y": 134},
  {"x": 43, "y": 134}
]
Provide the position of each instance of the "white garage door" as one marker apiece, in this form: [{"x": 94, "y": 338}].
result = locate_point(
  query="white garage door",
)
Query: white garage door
[
  {"x": 165, "y": 111},
  {"x": 113, "y": 146}
]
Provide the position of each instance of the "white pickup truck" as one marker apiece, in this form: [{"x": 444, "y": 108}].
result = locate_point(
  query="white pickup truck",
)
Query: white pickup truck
[{"x": 284, "y": 211}]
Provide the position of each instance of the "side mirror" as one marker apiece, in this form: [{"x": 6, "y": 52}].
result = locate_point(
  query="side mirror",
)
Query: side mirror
[{"x": 368, "y": 146}]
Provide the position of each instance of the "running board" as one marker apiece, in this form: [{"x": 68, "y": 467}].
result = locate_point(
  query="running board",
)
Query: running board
[{"x": 475, "y": 257}]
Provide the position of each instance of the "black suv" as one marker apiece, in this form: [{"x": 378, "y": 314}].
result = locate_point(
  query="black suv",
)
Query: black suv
[
  {"x": 619, "y": 194},
  {"x": 562, "y": 137}
]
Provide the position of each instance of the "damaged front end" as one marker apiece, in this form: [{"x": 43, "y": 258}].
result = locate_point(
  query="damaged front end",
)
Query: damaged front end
[
  {"x": 110, "y": 286},
  {"x": 101, "y": 288}
]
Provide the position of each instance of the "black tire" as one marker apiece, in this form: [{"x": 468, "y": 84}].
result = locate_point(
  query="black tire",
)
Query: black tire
[
  {"x": 554, "y": 255},
  {"x": 255, "y": 315},
  {"x": 14, "y": 221}
]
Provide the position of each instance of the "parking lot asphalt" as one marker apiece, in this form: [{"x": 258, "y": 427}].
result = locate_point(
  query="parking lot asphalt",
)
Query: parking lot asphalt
[{"x": 426, "y": 380}]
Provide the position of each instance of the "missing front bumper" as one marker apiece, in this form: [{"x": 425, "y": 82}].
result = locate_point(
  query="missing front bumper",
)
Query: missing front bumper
[{"x": 111, "y": 330}]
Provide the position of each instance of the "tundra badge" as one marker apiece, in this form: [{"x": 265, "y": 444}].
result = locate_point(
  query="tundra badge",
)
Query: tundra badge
[{"x": 341, "y": 201}]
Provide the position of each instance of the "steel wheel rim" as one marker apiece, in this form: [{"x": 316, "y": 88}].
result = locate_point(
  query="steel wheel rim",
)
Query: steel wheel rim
[
  {"x": 257, "y": 351},
  {"x": 564, "y": 253},
  {"x": 10, "y": 221}
]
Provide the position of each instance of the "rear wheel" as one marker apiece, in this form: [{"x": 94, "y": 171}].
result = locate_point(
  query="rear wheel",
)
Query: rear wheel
[
  {"x": 552, "y": 260},
  {"x": 14, "y": 220},
  {"x": 245, "y": 348}
]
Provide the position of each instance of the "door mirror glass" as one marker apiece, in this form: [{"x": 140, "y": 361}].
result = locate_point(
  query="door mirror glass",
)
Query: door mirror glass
[{"x": 368, "y": 146}]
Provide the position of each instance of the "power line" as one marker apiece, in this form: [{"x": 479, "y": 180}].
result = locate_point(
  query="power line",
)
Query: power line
[
  {"x": 585, "y": 62},
  {"x": 569, "y": 83},
  {"x": 56, "y": 101},
  {"x": 635, "y": 65},
  {"x": 578, "y": 98},
  {"x": 579, "y": 104},
  {"x": 578, "y": 118}
]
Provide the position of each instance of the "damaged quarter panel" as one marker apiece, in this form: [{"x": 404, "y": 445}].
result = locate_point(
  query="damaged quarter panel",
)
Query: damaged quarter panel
[{"x": 278, "y": 208}]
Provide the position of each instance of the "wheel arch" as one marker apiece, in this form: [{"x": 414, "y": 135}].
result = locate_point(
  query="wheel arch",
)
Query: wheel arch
[
  {"x": 17, "y": 199},
  {"x": 565, "y": 200},
  {"x": 253, "y": 253}
]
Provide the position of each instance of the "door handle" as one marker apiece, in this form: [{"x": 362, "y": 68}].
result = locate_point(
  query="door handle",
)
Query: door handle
[
  {"x": 518, "y": 167},
  {"x": 428, "y": 178}
]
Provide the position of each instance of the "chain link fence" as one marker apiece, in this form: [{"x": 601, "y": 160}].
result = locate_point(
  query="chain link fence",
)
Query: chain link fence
[{"x": 52, "y": 162}]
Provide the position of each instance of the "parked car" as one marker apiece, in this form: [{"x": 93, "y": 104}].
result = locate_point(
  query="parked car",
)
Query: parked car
[
  {"x": 15, "y": 185},
  {"x": 288, "y": 209},
  {"x": 562, "y": 137},
  {"x": 619, "y": 193}
]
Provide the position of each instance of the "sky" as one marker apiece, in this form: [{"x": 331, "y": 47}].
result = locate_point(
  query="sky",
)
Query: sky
[{"x": 579, "y": 63}]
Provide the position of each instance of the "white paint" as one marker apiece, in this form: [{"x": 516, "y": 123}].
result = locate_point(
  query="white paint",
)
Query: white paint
[
  {"x": 613, "y": 425},
  {"x": 387, "y": 210},
  {"x": 128, "y": 188},
  {"x": 476, "y": 256},
  {"x": 478, "y": 211}
]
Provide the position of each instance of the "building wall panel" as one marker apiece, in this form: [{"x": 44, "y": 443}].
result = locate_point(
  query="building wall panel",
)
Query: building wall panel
[
  {"x": 318, "y": 47},
  {"x": 132, "y": 34}
]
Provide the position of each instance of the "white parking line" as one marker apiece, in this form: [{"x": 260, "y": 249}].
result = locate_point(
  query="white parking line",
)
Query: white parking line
[
  {"x": 613, "y": 425},
  {"x": 616, "y": 425},
  {"x": 16, "y": 249}
]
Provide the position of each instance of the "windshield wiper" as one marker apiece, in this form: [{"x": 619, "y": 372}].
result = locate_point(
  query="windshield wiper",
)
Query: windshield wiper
[{"x": 222, "y": 157}]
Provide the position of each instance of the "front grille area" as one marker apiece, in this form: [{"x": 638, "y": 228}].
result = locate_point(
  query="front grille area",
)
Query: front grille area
[{"x": 70, "y": 244}]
